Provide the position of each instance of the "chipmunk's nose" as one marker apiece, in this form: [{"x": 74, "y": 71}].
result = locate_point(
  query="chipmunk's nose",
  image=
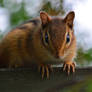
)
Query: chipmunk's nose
[{"x": 57, "y": 55}]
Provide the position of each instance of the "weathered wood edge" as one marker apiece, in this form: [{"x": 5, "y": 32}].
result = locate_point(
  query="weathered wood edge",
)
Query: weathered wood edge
[{"x": 22, "y": 79}]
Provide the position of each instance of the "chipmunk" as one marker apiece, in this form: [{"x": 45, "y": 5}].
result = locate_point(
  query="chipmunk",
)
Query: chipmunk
[{"x": 44, "y": 40}]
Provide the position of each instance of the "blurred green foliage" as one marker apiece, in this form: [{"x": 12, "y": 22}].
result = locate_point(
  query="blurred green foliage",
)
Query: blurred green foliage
[
  {"x": 84, "y": 56},
  {"x": 52, "y": 11},
  {"x": 1, "y": 3},
  {"x": 19, "y": 16}
]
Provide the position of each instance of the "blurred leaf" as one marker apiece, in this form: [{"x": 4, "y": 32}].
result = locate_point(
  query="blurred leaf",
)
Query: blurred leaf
[
  {"x": 52, "y": 11},
  {"x": 1, "y": 3},
  {"x": 83, "y": 56},
  {"x": 19, "y": 17}
]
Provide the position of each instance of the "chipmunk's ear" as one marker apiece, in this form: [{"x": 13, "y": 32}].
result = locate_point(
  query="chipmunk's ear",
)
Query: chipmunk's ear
[
  {"x": 45, "y": 18},
  {"x": 69, "y": 19}
]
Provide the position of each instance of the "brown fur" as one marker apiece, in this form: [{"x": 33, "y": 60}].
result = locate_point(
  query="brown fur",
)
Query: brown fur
[{"x": 26, "y": 44}]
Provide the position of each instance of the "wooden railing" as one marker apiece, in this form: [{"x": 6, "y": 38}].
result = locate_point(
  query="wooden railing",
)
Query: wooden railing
[{"x": 29, "y": 80}]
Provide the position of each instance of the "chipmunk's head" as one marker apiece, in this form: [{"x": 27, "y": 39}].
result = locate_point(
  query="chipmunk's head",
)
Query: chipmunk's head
[{"x": 57, "y": 33}]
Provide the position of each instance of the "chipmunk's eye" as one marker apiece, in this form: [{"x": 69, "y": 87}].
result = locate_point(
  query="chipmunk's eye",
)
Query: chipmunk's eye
[
  {"x": 67, "y": 38},
  {"x": 46, "y": 38}
]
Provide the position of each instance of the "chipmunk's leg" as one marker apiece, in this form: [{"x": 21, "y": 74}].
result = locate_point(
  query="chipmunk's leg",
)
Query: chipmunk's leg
[
  {"x": 67, "y": 65},
  {"x": 45, "y": 69}
]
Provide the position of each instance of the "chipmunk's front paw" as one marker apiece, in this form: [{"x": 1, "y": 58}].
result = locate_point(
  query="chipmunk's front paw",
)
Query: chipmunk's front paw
[
  {"x": 44, "y": 69},
  {"x": 69, "y": 65}
]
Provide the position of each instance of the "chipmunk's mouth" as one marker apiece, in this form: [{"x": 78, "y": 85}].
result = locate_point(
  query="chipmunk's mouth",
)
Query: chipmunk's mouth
[
  {"x": 62, "y": 57},
  {"x": 59, "y": 56}
]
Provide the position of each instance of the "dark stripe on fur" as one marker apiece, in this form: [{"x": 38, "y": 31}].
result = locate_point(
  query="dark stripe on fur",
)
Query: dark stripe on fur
[
  {"x": 23, "y": 27},
  {"x": 35, "y": 22},
  {"x": 29, "y": 40}
]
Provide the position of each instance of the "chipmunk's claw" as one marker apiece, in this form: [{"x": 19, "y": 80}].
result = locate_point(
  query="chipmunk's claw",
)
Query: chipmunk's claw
[
  {"x": 68, "y": 65},
  {"x": 45, "y": 69}
]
